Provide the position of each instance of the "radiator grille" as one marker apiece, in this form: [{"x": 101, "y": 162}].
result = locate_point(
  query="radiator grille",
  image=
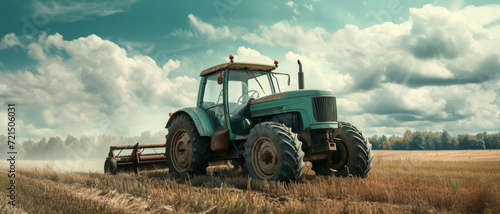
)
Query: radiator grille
[{"x": 324, "y": 109}]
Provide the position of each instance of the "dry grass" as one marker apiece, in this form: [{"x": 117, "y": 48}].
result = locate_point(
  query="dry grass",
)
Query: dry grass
[{"x": 394, "y": 186}]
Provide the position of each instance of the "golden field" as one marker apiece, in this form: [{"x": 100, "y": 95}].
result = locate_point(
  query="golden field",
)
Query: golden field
[{"x": 400, "y": 182}]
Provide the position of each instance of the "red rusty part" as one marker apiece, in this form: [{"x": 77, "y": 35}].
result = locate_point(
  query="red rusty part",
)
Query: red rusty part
[{"x": 135, "y": 158}]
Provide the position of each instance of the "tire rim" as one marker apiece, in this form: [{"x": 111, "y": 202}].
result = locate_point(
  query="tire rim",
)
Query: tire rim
[
  {"x": 180, "y": 150},
  {"x": 265, "y": 158},
  {"x": 340, "y": 158}
]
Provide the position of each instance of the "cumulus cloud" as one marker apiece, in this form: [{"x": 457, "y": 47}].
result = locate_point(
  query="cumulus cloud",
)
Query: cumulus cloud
[
  {"x": 171, "y": 65},
  {"x": 91, "y": 85},
  {"x": 489, "y": 14},
  {"x": 207, "y": 29},
  {"x": 319, "y": 75},
  {"x": 8, "y": 41},
  {"x": 433, "y": 45},
  {"x": 449, "y": 36},
  {"x": 284, "y": 34},
  {"x": 404, "y": 100},
  {"x": 399, "y": 71},
  {"x": 244, "y": 54}
]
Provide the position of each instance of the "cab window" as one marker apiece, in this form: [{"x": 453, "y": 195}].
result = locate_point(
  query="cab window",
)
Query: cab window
[
  {"x": 243, "y": 86},
  {"x": 213, "y": 94},
  {"x": 213, "y": 98}
]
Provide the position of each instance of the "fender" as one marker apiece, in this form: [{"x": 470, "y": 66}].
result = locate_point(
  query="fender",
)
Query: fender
[{"x": 199, "y": 117}]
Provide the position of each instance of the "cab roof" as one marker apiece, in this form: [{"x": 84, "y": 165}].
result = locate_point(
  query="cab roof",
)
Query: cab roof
[{"x": 238, "y": 66}]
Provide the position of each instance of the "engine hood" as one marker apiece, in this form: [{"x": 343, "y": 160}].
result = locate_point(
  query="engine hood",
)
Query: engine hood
[{"x": 293, "y": 94}]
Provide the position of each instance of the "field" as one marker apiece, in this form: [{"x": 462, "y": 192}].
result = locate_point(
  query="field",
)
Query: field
[{"x": 400, "y": 182}]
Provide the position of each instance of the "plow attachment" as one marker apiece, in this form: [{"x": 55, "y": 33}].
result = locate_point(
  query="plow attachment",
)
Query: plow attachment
[{"x": 142, "y": 157}]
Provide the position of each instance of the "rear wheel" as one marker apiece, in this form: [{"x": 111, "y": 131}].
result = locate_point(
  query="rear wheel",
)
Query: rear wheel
[
  {"x": 352, "y": 157},
  {"x": 187, "y": 152},
  {"x": 273, "y": 153},
  {"x": 110, "y": 166}
]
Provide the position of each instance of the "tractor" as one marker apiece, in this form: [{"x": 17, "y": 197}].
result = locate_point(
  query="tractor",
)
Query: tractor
[{"x": 242, "y": 116}]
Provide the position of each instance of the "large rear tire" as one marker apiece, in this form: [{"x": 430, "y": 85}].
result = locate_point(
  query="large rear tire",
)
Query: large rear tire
[
  {"x": 353, "y": 155},
  {"x": 273, "y": 153},
  {"x": 187, "y": 152}
]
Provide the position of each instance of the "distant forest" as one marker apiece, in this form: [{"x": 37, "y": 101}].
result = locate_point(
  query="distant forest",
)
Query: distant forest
[
  {"x": 436, "y": 141},
  {"x": 85, "y": 147}
]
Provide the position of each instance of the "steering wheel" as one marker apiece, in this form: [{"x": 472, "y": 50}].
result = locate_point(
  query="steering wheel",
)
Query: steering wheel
[{"x": 250, "y": 93}]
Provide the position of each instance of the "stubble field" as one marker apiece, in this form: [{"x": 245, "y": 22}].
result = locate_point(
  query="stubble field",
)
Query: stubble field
[{"x": 400, "y": 182}]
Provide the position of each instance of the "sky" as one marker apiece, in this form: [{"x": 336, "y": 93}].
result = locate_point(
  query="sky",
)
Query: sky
[{"x": 119, "y": 67}]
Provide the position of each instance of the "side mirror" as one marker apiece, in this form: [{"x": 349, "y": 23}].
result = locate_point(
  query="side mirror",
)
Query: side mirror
[
  {"x": 220, "y": 80},
  {"x": 283, "y": 74}
]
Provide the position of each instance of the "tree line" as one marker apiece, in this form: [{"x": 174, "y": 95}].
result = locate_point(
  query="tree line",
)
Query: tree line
[
  {"x": 86, "y": 147},
  {"x": 436, "y": 141},
  {"x": 70, "y": 147}
]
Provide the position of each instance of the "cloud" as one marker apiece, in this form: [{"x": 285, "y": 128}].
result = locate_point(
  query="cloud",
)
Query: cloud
[
  {"x": 8, "y": 41},
  {"x": 489, "y": 18},
  {"x": 244, "y": 54},
  {"x": 445, "y": 36},
  {"x": 136, "y": 48},
  {"x": 309, "y": 6},
  {"x": 183, "y": 33},
  {"x": 433, "y": 46},
  {"x": 284, "y": 34},
  {"x": 91, "y": 86},
  {"x": 291, "y": 4},
  {"x": 489, "y": 14},
  {"x": 318, "y": 73},
  {"x": 35, "y": 51},
  {"x": 294, "y": 6},
  {"x": 207, "y": 29},
  {"x": 77, "y": 11},
  {"x": 171, "y": 65},
  {"x": 404, "y": 100},
  {"x": 397, "y": 73}
]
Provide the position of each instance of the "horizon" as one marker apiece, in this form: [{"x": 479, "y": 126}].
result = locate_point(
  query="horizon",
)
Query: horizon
[{"x": 34, "y": 140}]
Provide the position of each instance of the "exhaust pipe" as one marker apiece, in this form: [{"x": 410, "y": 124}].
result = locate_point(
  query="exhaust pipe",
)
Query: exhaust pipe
[{"x": 301, "y": 76}]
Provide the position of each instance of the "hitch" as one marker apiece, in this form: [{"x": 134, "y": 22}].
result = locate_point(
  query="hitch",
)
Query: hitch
[{"x": 333, "y": 145}]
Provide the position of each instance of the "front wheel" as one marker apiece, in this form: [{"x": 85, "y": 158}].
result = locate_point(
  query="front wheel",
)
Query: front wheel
[
  {"x": 273, "y": 153},
  {"x": 352, "y": 157},
  {"x": 187, "y": 152}
]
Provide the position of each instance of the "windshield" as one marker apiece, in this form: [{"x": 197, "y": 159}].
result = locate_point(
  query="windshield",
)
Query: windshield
[{"x": 244, "y": 85}]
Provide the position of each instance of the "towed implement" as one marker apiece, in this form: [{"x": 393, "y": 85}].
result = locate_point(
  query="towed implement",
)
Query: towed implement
[
  {"x": 242, "y": 115},
  {"x": 142, "y": 157}
]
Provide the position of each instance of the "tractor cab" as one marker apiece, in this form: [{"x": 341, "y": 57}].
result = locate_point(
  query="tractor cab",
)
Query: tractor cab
[{"x": 226, "y": 92}]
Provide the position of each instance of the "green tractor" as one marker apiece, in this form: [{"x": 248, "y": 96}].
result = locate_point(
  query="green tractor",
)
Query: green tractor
[{"x": 241, "y": 116}]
